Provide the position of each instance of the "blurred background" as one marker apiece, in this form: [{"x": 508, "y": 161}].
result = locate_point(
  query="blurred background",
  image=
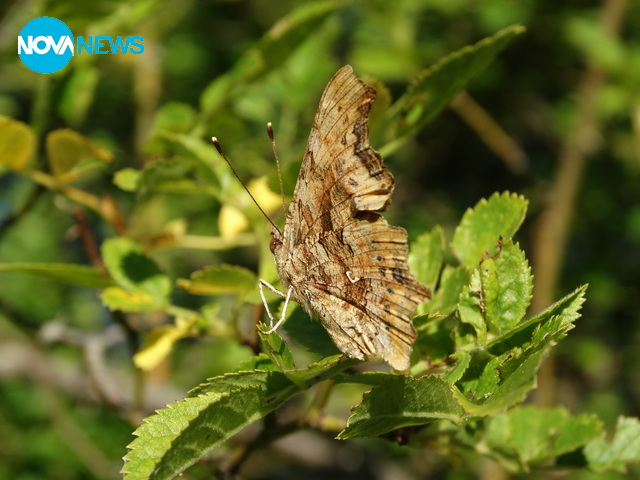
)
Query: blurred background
[{"x": 555, "y": 118}]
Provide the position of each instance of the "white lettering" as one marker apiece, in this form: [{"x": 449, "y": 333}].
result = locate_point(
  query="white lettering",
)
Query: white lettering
[
  {"x": 24, "y": 47},
  {"x": 42, "y": 44},
  {"x": 64, "y": 43},
  {"x": 41, "y": 39}
]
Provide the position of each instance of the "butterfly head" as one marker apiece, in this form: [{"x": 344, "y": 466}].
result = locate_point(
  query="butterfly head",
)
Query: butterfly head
[{"x": 276, "y": 241}]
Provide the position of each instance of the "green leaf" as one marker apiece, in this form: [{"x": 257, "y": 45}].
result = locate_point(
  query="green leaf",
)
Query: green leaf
[
  {"x": 190, "y": 151},
  {"x": 270, "y": 379},
  {"x": 134, "y": 272},
  {"x": 278, "y": 350},
  {"x": 506, "y": 286},
  {"x": 434, "y": 343},
  {"x": 471, "y": 308},
  {"x": 528, "y": 436},
  {"x": 174, "y": 175},
  {"x": 446, "y": 297},
  {"x": 615, "y": 453},
  {"x": 463, "y": 359},
  {"x": 116, "y": 298},
  {"x": 17, "y": 143},
  {"x": 400, "y": 402},
  {"x": 275, "y": 48},
  {"x": 176, "y": 437},
  {"x": 558, "y": 317},
  {"x": 499, "y": 378},
  {"x": 435, "y": 88},
  {"x": 482, "y": 227},
  {"x": 219, "y": 280},
  {"x": 67, "y": 150},
  {"x": 63, "y": 272},
  {"x": 79, "y": 93},
  {"x": 425, "y": 257},
  {"x": 174, "y": 117},
  {"x": 502, "y": 382},
  {"x": 309, "y": 333},
  {"x": 260, "y": 362},
  {"x": 127, "y": 179}
]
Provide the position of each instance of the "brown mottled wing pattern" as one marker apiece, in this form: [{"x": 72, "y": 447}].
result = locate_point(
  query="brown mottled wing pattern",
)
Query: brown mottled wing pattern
[{"x": 344, "y": 262}]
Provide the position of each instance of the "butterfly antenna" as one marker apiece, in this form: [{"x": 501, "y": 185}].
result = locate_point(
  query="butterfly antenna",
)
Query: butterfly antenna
[
  {"x": 216, "y": 143},
  {"x": 275, "y": 154}
]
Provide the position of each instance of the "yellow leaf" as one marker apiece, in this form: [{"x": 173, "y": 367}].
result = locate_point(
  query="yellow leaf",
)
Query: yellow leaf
[
  {"x": 66, "y": 149},
  {"x": 16, "y": 144},
  {"x": 158, "y": 343},
  {"x": 116, "y": 298},
  {"x": 231, "y": 221},
  {"x": 268, "y": 200}
]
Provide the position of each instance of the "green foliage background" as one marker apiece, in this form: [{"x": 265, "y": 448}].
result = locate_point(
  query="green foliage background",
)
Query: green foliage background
[{"x": 69, "y": 395}]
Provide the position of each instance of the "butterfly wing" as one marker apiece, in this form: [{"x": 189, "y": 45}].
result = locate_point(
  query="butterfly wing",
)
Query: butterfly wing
[
  {"x": 340, "y": 174},
  {"x": 346, "y": 264},
  {"x": 360, "y": 287}
]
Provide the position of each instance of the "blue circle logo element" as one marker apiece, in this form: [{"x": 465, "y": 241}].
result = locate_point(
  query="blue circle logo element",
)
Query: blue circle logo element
[{"x": 45, "y": 44}]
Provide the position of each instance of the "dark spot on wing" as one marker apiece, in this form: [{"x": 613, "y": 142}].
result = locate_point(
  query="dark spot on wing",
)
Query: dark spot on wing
[
  {"x": 397, "y": 275},
  {"x": 326, "y": 223}
]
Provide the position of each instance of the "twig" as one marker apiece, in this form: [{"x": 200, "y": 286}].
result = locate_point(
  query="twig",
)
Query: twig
[
  {"x": 490, "y": 132},
  {"x": 88, "y": 239}
]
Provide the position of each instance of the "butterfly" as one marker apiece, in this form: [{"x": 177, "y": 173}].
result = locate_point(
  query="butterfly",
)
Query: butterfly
[{"x": 338, "y": 258}]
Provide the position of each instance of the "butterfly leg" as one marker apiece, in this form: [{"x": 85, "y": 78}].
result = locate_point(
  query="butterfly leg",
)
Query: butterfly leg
[{"x": 287, "y": 297}]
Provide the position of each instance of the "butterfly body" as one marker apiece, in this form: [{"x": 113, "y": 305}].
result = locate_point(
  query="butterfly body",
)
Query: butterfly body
[{"x": 341, "y": 260}]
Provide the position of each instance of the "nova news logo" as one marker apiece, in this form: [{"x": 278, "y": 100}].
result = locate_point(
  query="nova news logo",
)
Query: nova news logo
[{"x": 46, "y": 45}]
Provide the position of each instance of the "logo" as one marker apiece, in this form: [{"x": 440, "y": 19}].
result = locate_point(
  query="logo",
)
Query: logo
[{"x": 46, "y": 45}]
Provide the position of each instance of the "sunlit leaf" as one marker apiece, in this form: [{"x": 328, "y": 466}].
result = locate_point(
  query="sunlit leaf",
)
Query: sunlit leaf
[
  {"x": 158, "y": 343},
  {"x": 134, "y": 271},
  {"x": 116, "y": 298},
  {"x": 67, "y": 150},
  {"x": 435, "y": 88},
  {"x": 17, "y": 143},
  {"x": 506, "y": 285},
  {"x": 176, "y": 437},
  {"x": 425, "y": 256},
  {"x": 527, "y": 436},
  {"x": 484, "y": 225},
  {"x": 615, "y": 453},
  {"x": 220, "y": 279},
  {"x": 63, "y": 272},
  {"x": 400, "y": 402},
  {"x": 127, "y": 179},
  {"x": 271, "y": 51}
]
